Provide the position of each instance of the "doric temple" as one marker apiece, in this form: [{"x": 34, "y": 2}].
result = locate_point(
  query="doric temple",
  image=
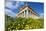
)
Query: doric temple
[{"x": 26, "y": 12}]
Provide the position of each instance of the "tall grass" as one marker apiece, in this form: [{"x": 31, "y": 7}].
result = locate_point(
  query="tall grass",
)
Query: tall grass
[{"x": 24, "y": 23}]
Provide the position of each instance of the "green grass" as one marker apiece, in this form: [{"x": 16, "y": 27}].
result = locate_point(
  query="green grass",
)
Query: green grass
[{"x": 24, "y": 23}]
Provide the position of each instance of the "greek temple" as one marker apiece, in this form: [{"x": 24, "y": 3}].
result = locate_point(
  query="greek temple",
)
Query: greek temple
[{"x": 26, "y": 12}]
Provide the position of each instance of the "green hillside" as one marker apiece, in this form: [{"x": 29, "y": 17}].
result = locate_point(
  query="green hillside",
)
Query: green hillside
[{"x": 23, "y": 23}]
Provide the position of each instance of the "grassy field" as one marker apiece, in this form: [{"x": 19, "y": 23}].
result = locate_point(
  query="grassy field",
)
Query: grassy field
[{"x": 23, "y": 23}]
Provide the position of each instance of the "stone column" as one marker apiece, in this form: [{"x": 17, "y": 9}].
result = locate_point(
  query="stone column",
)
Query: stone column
[
  {"x": 27, "y": 13},
  {"x": 24, "y": 13}
]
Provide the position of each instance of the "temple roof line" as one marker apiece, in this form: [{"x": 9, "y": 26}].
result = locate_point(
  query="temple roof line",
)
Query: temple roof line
[{"x": 26, "y": 7}]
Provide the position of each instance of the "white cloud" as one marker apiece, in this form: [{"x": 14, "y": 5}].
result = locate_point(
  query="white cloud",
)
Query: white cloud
[
  {"x": 9, "y": 4},
  {"x": 9, "y": 12},
  {"x": 17, "y": 4},
  {"x": 42, "y": 15}
]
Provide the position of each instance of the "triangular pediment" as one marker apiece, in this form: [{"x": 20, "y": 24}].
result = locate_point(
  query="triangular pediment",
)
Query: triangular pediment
[{"x": 26, "y": 8}]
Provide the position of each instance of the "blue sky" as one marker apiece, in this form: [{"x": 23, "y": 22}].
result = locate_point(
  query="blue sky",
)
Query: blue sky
[{"x": 12, "y": 7}]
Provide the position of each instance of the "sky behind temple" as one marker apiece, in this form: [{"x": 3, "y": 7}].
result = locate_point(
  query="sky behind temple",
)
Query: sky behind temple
[{"x": 12, "y": 7}]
